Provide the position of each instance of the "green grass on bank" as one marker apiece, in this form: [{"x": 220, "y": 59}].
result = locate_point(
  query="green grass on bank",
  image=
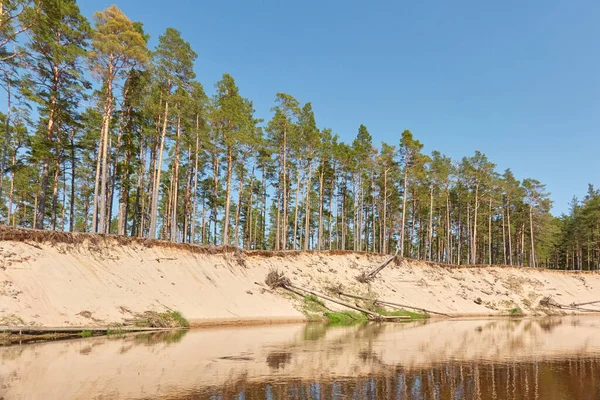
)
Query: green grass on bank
[{"x": 400, "y": 313}]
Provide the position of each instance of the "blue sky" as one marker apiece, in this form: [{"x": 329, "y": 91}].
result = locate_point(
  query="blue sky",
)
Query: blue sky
[{"x": 518, "y": 81}]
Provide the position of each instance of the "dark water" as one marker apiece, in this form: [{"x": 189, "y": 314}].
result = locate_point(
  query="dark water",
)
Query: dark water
[{"x": 450, "y": 359}]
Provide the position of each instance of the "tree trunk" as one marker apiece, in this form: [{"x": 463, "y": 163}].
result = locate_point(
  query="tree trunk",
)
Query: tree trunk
[
  {"x": 490, "y": 233},
  {"x": 404, "y": 196},
  {"x": 532, "y": 255},
  {"x": 284, "y": 222},
  {"x": 41, "y": 206},
  {"x": 72, "y": 195},
  {"x": 510, "y": 251},
  {"x": 474, "y": 247},
  {"x": 12, "y": 185},
  {"x": 384, "y": 225},
  {"x": 239, "y": 206},
  {"x": 55, "y": 191},
  {"x": 156, "y": 184},
  {"x": 430, "y": 232},
  {"x": 227, "y": 195},
  {"x": 104, "y": 222},
  {"x": 175, "y": 180},
  {"x": 195, "y": 177},
  {"x": 449, "y": 232},
  {"x": 215, "y": 160},
  {"x": 307, "y": 209},
  {"x": 6, "y": 134},
  {"x": 296, "y": 240},
  {"x": 320, "y": 230}
]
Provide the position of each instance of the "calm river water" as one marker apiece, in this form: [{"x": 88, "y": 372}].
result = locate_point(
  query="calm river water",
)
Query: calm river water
[{"x": 557, "y": 358}]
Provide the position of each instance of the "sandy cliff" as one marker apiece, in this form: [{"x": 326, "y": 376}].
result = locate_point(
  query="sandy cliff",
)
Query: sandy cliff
[{"x": 63, "y": 280}]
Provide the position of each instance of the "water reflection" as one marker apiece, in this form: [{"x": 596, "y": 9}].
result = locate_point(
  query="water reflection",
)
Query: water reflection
[
  {"x": 573, "y": 379},
  {"x": 468, "y": 359}
]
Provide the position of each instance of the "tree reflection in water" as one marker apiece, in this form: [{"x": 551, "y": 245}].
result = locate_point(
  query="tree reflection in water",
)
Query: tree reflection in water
[{"x": 570, "y": 379}]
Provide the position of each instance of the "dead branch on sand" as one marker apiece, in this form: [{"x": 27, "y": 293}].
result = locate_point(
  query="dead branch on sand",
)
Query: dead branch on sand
[
  {"x": 277, "y": 279},
  {"x": 367, "y": 276},
  {"x": 549, "y": 302}
]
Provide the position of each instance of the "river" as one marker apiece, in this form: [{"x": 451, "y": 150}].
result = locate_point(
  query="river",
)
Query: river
[{"x": 551, "y": 358}]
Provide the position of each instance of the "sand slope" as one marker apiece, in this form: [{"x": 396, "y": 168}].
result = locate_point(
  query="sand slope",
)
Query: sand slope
[{"x": 83, "y": 284}]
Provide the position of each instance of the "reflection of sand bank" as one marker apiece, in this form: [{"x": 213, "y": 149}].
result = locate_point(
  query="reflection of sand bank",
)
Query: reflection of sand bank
[{"x": 139, "y": 368}]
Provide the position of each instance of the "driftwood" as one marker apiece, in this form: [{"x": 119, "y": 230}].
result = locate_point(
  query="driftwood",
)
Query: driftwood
[
  {"x": 387, "y": 303},
  {"x": 276, "y": 279},
  {"x": 366, "y": 277}
]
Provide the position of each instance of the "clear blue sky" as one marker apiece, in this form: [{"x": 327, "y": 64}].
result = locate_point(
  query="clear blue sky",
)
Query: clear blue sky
[{"x": 517, "y": 80}]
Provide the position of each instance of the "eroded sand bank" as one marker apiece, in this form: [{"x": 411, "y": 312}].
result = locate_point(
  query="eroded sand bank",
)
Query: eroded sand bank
[{"x": 57, "y": 284}]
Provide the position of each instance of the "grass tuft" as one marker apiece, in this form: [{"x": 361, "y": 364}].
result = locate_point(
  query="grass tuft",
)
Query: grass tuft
[
  {"x": 86, "y": 333},
  {"x": 515, "y": 312},
  {"x": 168, "y": 319},
  {"x": 344, "y": 318},
  {"x": 400, "y": 313}
]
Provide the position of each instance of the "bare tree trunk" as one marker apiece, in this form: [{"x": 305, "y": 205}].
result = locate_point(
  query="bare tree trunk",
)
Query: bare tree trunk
[
  {"x": 250, "y": 212},
  {"x": 195, "y": 177},
  {"x": 137, "y": 228},
  {"x": 430, "y": 233},
  {"x": 284, "y": 222},
  {"x": 227, "y": 195},
  {"x": 448, "y": 230},
  {"x": 503, "y": 237},
  {"x": 156, "y": 185},
  {"x": 532, "y": 255},
  {"x": 321, "y": 181},
  {"x": 41, "y": 206},
  {"x": 187, "y": 206},
  {"x": 510, "y": 250},
  {"x": 12, "y": 186},
  {"x": 331, "y": 197},
  {"x": 296, "y": 242},
  {"x": 490, "y": 233},
  {"x": 239, "y": 206},
  {"x": 215, "y": 159},
  {"x": 6, "y": 133},
  {"x": 307, "y": 209},
  {"x": 97, "y": 181},
  {"x": 104, "y": 222},
  {"x": 403, "y": 223},
  {"x": 55, "y": 191},
  {"x": 384, "y": 225},
  {"x": 175, "y": 182},
  {"x": 475, "y": 212}
]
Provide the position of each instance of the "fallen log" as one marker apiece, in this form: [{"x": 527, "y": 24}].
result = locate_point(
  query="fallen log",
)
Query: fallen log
[
  {"x": 388, "y": 303},
  {"x": 276, "y": 279},
  {"x": 366, "y": 277}
]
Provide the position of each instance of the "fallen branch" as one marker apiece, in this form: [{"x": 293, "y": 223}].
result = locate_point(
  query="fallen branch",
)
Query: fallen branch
[
  {"x": 549, "y": 302},
  {"x": 276, "y": 279},
  {"x": 366, "y": 277},
  {"x": 584, "y": 304},
  {"x": 387, "y": 303}
]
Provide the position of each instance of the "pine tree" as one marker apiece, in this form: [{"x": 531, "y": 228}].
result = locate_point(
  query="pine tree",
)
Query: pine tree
[
  {"x": 116, "y": 46},
  {"x": 173, "y": 63},
  {"x": 54, "y": 80}
]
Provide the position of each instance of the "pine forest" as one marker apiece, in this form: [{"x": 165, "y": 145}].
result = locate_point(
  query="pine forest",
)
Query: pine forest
[{"x": 103, "y": 134}]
